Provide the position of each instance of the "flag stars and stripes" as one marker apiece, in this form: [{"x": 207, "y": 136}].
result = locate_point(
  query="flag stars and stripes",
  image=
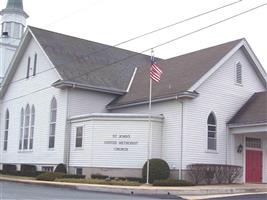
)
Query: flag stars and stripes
[{"x": 155, "y": 71}]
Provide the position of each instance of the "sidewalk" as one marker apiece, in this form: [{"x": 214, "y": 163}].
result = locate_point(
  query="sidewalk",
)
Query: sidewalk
[{"x": 154, "y": 191}]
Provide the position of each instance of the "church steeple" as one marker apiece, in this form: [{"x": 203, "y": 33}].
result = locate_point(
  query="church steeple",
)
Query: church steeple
[
  {"x": 14, "y": 6},
  {"x": 13, "y": 24}
]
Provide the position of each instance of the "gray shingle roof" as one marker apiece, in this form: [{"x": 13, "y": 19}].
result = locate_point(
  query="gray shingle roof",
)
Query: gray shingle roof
[
  {"x": 254, "y": 110},
  {"x": 179, "y": 74},
  {"x": 84, "y": 62}
]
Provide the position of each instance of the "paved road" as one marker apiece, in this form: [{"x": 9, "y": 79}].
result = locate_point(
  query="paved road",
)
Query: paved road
[
  {"x": 244, "y": 197},
  {"x": 19, "y": 191}
]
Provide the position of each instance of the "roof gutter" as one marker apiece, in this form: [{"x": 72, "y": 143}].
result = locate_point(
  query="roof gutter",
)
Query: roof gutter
[
  {"x": 180, "y": 95},
  {"x": 64, "y": 84},
  {"x": 246, "y": 125}
]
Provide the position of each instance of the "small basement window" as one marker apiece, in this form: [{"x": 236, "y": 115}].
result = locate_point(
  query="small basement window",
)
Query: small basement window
[
  {"x": 47, "y": 169},
  {"x": 79, "y": 171}
]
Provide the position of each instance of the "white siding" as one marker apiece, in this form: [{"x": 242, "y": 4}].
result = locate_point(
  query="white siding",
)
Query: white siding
[
  {"x": 31, "y": 91},
  {"x": 84, "y": 102},
  {"x": 171, "y": 130},
  {"x": 95, "y": 153},
  {"x": 221, "y": 95}
]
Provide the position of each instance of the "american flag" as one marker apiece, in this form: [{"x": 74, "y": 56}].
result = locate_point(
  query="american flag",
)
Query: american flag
[{"x": 155, "y": 71}]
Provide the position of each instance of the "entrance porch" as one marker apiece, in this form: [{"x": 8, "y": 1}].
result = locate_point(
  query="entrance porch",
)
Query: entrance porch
[{"x": 250, "y": 151}]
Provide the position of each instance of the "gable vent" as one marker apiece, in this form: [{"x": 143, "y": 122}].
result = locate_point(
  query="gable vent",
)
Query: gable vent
[{"x": 238, "y": 72}]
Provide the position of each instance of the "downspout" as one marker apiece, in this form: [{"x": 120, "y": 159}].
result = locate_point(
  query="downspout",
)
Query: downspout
[
  {"x": 226, "y": 144},
  {"x": 182, "y": 135},
  {"x": 68, "y": 134},
  {"x": 68, "y": 128}
]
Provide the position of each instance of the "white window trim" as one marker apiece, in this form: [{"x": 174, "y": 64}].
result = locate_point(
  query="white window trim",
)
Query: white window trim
[
  {"x": 76, "y": 168},
  {"x": 207, "y": 132},
  {"x": 50, "y": 123},
  {"x": 21, "y": 130},
  {"x": 76, "y": 127},
  {"x": 6, "y": 130},
  {"x": 254, "y": 148},
  {"x": 29, "y": 129},
  {"x": 32, "y": 126}
]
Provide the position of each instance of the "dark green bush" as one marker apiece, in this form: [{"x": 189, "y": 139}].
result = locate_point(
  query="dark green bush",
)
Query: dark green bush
[
  {"x": 9, "y": 169},
  {"x": 98, "y": 176},
  {"x": 73, "y": 176},
  {"x": 49, "y": 176},
  {"x": 172, "y": 182},
  {"x": 158, "y": 170},
  {"x": 135, "y": 179},
  {"x": 61, "y": 168},
  {"x": 28, "y": 170}
]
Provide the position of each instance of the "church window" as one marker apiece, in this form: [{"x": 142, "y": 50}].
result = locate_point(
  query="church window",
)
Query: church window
[
  {"x": 212, "y": 131},
  {"x": 79, "y": 136},
  {"x": 238, "y": 73},
  {"x": 26, "y": 128},
  {"x": 21, "y": 128},
  {"x": 27, "y": 120},
  {"x": 32, "y": 126},
  {"x": 35, "y": 64},
  {"x": 53, "y": 120},
  {"x": 28, "y": 67},
  {"x": 6, "y": 130},
  {"x": 7, "y": 28}
]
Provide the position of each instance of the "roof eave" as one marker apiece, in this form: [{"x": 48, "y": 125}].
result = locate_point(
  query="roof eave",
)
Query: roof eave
[
  {"x": 243, "y": 42},
  {"x": 180, "y": 95},
  {"x": 14, "y": 10},
  {"x": 247, "y": 124},
  {"x": 69, "y": 84}
]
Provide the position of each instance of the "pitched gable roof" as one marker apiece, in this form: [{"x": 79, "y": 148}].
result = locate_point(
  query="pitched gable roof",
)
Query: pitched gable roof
[
  {"x": 89, "y": 63},
  {"x": 254, "y": 110},
  {"x": 94, "y": 66},
  {"x": 179, "y": 74}
]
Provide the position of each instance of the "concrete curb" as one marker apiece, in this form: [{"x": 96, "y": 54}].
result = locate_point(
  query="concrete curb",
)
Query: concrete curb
[{"x": 150, "y": 190}]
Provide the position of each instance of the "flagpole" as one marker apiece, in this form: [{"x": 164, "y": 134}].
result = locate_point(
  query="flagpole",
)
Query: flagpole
[{"x": 150, "y": 127}]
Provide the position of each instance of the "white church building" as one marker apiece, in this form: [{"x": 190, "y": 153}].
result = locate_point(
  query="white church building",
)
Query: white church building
[{"x": 85, "y": 104}]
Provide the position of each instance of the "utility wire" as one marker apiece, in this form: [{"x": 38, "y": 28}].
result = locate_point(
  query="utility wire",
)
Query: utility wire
[
  {"x": 173, "y": 40},
  {"x": 176, "y": 23},
  {"x": 145, "y": 34},
  {"x": 156, "y": 30},
  {"x": 159, "y": 45}
]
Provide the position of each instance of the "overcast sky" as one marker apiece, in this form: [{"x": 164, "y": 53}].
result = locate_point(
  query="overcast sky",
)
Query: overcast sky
[{"x": 113, "y": 21}]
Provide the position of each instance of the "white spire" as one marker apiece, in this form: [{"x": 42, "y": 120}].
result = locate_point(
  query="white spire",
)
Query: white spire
[{"x": 13, "y": 24}]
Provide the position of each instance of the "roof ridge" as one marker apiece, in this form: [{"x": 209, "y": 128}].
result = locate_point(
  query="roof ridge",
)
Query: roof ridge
[
  {"x": 206, "y": 48},
  {"x": 86, "y": 40}
]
